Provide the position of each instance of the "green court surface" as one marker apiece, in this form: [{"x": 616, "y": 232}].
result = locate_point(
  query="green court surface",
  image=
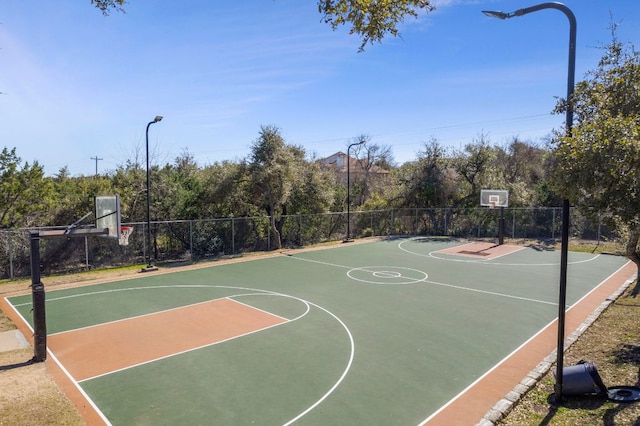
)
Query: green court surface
[{"x": 383, "y": 333}]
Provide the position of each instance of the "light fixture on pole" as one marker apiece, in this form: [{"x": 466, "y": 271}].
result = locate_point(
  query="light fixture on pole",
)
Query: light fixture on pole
[
  {"x": 149, "y": 266},
  {"x": 562, "y": 298},
  {"x": 348, "y": 238}
]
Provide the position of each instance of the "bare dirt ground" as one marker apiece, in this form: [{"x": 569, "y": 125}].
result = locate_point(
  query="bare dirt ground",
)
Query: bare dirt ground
[{"x": 29, "y": 396}]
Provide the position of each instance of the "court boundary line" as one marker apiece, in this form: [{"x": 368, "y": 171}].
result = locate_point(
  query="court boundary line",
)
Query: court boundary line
[
  {"x": 484, "y": 261},
  {"x": 516, "y": 249},
  {"x": 90, "y": 412},
  {"x": 78, "y": 388},
  {"x": 89, "y": 283},
  {"x": 545, "y": 365},
  {"x": 426, "y": 281},
  {"x": 129, "y": 367},
  {"x": 493, "y": 293},
  {"x": 93, "y": 414},
  {"x": 536, "y": 371},
  {"x": 230, "y": 298},
  {"x": 168, "y": 310}
]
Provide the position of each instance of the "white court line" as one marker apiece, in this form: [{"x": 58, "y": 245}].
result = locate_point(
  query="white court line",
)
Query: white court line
[
  {"x": 484, "y": 261},
  {"x": 262, "y": 310},
  {"x": 476, "y": 260},
  {"x": 492, "y": 293},
  {"x": 51, "y": 356},
  {"x": 290, "y": 256},
  {"x": 344, "y": 373},
  {"x": 76, "y": 384},
  {"x": 129, "y": 367},
  {"x": 254, "y": 292},
  {"x": 519, "y": 348},
  {"x": 169, "y": 310},
  {"x": 115, "y": 290},
  {"x": 441, "y": 284}
]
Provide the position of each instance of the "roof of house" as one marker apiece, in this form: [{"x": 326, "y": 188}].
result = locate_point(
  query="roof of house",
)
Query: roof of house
[{"x": 337, "y": 162}]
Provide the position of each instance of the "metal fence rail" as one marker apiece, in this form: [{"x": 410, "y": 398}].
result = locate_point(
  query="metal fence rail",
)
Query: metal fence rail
[{"x": 192, "y": 240}]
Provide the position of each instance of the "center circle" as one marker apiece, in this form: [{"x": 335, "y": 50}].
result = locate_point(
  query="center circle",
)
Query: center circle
[{"x": 387, "y": 275}]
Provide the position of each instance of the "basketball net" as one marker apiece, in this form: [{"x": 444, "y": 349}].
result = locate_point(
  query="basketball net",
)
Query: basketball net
[{"x": 125, "y": 231}]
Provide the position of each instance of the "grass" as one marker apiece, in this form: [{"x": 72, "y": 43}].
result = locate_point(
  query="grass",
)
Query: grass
[{"x": 612, "y": 343}]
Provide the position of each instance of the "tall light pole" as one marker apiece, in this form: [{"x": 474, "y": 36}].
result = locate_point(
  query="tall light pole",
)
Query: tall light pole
[
  {"x": 348, "y": 238},
  {"x": 562, "y": 298},
  {"x": 149, "y": 266}
]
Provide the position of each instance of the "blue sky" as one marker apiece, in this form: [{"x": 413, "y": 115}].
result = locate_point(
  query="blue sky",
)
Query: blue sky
[{"x": 78, "y": 85}]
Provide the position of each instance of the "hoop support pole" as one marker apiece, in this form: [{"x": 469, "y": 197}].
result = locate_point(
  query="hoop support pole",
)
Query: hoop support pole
[{"x": 38, "y": 300}]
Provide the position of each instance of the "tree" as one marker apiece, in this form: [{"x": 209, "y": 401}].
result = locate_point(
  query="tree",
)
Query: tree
[
  {"x": 129, "y": 181},
  {"x": 107, "y": 5},
  {"x": 523, "y": 167},
  {"x": 372, "y": 20},
  {"x": 314, "y": 191},
  {"x": 74, "y": 196},
  {"x": 475, "y": 167},
  {"x": 273, "y": 170},
  {"x": 178, "y": 189},
  {"x": 598, "y": 167},
  {"x": 426, "y": 182},
  {"x": 25, "y": 194},
  {"x": 226, "y": 191}
]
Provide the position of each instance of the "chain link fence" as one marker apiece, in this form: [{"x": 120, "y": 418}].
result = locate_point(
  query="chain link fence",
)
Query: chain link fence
[{"x": 193, "y": 240}]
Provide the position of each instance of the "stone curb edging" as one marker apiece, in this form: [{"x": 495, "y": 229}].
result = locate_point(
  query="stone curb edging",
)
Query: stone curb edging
[{"x": 506, "y": 404}]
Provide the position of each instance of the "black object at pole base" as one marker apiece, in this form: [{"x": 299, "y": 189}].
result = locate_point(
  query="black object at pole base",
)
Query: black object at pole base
[
  {"x": 623, "y": 394},
  {"x": 39, "y": 323}
]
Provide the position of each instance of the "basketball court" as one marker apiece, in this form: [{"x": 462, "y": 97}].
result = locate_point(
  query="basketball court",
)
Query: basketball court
[{"x": 403, "y": 331}]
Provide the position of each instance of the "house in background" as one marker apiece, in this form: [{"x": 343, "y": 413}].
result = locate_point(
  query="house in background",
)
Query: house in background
[
  {"x": 365, "y": 177},
  {"x": 338, "y": 163}
]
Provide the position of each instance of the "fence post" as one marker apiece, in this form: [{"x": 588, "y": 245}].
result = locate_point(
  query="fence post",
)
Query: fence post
[
  {"x": 191, "y": 240},
  {"x": 233, "y": 236},
  {"x": 10, "y": 256},
  {"x": 86, "y": 253},
  {"x": 371, "y": 223},
  {"x": 144, "y": 243},
  {"x": 392, "y": 227},
  {"x": 446, "y": 221}
]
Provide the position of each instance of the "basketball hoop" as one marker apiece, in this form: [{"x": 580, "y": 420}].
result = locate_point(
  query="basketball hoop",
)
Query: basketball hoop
[
  {"x": 125, "y": 231},
  {"x": 492, "y": 204}
]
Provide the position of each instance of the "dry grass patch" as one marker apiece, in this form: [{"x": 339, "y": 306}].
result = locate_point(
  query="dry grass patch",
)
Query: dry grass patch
[
  {"x": 29, "y": 396},
  {"x": 612, "y": 343}
]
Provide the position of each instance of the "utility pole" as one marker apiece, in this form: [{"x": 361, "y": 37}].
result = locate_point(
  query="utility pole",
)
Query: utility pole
[{"x": 97, "y": 159}]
